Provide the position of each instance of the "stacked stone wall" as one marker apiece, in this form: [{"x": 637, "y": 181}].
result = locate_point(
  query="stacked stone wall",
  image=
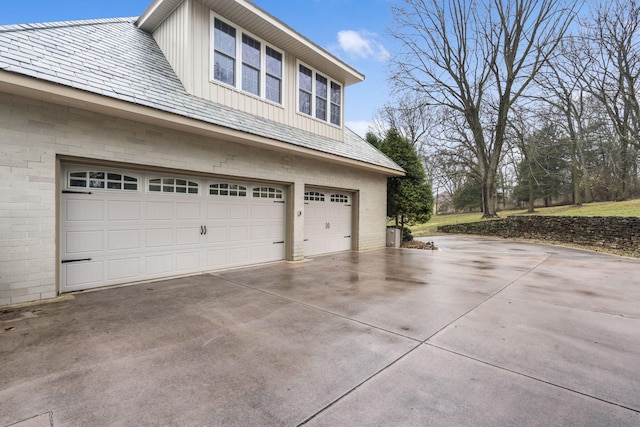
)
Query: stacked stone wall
[{"x": 621, "y": 233}]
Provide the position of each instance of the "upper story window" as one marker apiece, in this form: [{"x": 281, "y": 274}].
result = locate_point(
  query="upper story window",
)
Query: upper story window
[
  {"x": 318, "y": 96},
  {"x": 246, "y": 63}
]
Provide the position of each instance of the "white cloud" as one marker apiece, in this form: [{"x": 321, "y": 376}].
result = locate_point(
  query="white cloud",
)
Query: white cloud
[
  {"x": 361, "y": 127},
  {"x": 362, "y": 44}
]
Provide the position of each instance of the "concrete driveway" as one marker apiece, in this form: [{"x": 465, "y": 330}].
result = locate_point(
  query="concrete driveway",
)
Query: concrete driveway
[{"x": 480, "y": 332}]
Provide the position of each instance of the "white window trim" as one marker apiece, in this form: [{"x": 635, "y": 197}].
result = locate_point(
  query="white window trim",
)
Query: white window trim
[
  {"x": 313, "y": 95},
  {"x": 238, "y": 62},
  {"x": 67, "y": 187},
  {"x": 174, "y": 177}
]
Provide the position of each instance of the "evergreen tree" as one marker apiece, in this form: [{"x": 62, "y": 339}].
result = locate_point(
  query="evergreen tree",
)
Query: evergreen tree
[{"x": 409, "y": 198}]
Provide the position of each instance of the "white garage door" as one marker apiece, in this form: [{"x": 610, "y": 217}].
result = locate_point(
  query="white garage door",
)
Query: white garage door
[
  {"x": 123, "y": 226},
  {"x": 327, "y": 223}
]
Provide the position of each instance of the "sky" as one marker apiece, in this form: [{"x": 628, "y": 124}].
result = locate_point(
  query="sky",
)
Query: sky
[{"x": 356, "y": 31}]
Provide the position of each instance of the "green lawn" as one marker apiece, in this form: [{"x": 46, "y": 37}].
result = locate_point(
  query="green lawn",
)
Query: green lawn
[{"x": 626, "y": 208}]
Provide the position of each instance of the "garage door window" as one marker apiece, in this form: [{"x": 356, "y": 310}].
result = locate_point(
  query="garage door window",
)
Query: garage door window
[
  {"x": 339, "y": 198},
  {"x": 267, "y": 193},
  {"x": 231, "y": 190},
  {"x": 173, "y": 186},
  {"x": 313, "y": 196},
  {"x": 102, "y": 180}
]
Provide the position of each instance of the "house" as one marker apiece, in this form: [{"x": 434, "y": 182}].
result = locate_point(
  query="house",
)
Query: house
[{"x": 199, "y": 136}]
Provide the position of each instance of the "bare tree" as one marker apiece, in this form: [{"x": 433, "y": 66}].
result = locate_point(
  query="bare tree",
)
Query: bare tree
[
  {"x": 611, "y": 41},
  {"x": 477, "y": 59},
  {"x": 410, "y": 116},
  {"x": 562, "y": 89}
]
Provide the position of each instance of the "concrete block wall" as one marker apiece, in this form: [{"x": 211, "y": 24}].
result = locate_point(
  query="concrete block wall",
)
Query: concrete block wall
[{"x": 34, "y": 135}]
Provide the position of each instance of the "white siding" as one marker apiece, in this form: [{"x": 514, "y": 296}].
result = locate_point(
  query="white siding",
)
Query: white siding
[{"x": 185, "y": 40}]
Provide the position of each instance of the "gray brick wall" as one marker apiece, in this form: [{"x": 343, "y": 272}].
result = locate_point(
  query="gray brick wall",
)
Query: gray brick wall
[{"x": 34, "y": 134}]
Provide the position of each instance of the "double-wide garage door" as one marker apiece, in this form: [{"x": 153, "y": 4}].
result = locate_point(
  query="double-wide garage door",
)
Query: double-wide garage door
[{"x": 120, "y": 226}]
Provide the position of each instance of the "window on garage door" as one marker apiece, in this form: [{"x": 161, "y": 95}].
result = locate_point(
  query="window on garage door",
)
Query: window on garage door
[
  {"x": 101, "y": 180},
  {"x": 313, "y": 196},
  {"x": 339, "y": 198},
  {"x": 172, "y": 186},
  {"x": 226, "y": 189},
  {"x": 268, "y": 193}
]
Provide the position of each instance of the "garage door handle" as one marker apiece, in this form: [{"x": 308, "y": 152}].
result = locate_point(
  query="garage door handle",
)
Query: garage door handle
[
  {"x": 278, "y": 243},
  {"x": 203, "y": 230},
  {"x": 66, "y": 261},
  {"x": 347, "y": 237}
]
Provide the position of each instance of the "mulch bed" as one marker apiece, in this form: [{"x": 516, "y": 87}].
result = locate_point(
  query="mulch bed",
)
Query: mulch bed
[{"x": 417, "y": 244}]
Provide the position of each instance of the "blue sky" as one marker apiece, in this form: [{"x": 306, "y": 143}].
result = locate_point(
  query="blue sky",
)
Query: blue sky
[{"x": 354, "y": 30}]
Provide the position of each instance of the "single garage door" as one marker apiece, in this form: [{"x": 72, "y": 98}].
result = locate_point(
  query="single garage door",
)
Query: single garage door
[
  {"x": 327, "y": 221},
  {"x": 120, "y": 226}
]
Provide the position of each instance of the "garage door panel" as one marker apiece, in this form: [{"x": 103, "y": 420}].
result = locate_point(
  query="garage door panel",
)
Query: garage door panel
[
  {"x": 259, "y": 232},
  {"x": 188, "y": 211},
  {"x": 83, "y": 275},
  {"x": 188, "y": 235},
  {"x": 217, "y": 234},
  {"x": 217, "y": 211},
  {"x": 159, "y": 211},
  {"x": 84, "y": 241},
  {"x": 188, "y": 261},
  {"x": 217, "y": 257},
  {"x": 159, "y": 264},
  {"x": 84, "y": 210},
  {"x": 123, "y": 239},
  {"x": 237, "y": 211},
  {"x": 276, "y": 232},
  {"x": 127, "y": 268},
  {"x": 260, "y": 212},
  {"x": 238, "y": 233},
  {"x": 239, "y": 256},
  {"x": 121, "y": 210},
  {"x": 159, "y": 237}
]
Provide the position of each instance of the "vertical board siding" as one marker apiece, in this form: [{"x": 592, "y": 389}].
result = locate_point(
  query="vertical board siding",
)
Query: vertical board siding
[
  {"x": 185, "y": 40},
  {"x": 173, "y": 39}
]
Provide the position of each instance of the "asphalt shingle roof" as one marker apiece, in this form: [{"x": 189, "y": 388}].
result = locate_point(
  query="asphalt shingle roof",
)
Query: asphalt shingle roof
[{"x": 114, "y": 58}]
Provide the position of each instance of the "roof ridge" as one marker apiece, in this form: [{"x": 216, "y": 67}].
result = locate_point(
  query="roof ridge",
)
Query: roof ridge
[{"x": 64, "y": 24}]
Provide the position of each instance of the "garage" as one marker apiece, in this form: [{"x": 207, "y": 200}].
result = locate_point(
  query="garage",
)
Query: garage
[
  {"x": 328, "y": 221},
  {"x": 121, "y": 226}
]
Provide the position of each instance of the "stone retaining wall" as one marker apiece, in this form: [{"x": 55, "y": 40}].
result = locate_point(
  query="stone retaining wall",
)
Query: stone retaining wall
[{"x": 621, "y": 233}]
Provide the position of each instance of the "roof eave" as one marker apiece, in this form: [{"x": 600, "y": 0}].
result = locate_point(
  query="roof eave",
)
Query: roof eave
[{"x": 54, "y": 93}]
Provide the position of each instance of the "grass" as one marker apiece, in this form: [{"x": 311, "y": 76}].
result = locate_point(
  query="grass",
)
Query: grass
[{"x": 626, "y": 208}]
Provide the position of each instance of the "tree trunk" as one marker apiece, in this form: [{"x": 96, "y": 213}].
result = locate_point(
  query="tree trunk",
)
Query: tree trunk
[
  {"x": 532, "y": 197},
  {"x": 489, "y": 199},
  {"x": 575, "y": 178}
]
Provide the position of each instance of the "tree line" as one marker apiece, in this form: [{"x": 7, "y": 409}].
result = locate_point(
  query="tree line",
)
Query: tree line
[{"x": 515, "y": 101}]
